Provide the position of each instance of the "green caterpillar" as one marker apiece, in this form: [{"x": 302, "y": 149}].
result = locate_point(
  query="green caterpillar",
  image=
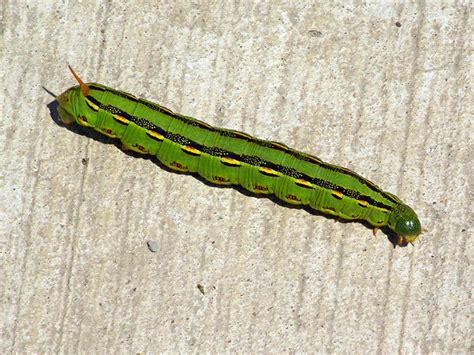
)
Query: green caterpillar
[{"x": 227, "y": 157}]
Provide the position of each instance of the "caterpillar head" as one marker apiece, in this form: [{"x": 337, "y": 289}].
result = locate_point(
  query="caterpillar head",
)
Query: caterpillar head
[
  {"x": 405, "y": 223},
  {"x": 68, "y": 101},
  {"x": 66, "y": 107}
]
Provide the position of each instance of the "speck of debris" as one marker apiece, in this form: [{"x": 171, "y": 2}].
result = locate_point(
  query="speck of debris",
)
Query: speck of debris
[
  {"x": 201, "y": 288},
  {"x": 85, "y": 161},
  {"x": 152, "y": 246},
  {"x": 315, "y": 33},
  {"x": 398, "y": 24}
]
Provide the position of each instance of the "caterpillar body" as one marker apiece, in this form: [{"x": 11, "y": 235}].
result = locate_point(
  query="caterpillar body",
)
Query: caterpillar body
[{"x": 228, "y": 157}]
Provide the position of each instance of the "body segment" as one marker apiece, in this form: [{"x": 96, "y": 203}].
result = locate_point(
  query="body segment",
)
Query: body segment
[{"x": 228, "y": 157}]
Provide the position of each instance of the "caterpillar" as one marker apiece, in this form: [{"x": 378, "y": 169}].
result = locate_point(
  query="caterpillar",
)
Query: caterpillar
[{"x": 228, "y": 157}]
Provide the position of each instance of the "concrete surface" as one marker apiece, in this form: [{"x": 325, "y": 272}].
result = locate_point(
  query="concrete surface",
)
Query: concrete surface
[{"x": 383, "y": 88}]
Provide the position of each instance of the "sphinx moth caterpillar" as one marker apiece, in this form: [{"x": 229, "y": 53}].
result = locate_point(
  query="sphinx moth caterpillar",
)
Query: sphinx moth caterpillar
[{"x": 228, "y": 157}]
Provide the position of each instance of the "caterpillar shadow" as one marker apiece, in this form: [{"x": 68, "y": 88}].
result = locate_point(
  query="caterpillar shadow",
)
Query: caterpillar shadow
[{"x": 90, "y": 133}]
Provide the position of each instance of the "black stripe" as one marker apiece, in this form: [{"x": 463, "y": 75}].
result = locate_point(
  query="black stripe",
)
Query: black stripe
[
  {"x": 90, "y": 106},
  {"x": 303, "y": 185},
  {"x": 94, "y": 86},
  {"x": 230, "y": 164},
  {"x": 252, "y": 160},
  {"x": 244, "y": 136}
]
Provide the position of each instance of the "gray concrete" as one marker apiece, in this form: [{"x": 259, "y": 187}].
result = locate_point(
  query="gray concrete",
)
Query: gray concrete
[{"x": 344, "y": 81}]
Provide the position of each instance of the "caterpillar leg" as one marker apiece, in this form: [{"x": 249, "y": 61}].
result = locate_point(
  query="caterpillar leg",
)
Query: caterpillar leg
[
  {"x": 124, "y": 147},
  {"x": 65, "y": 117},
  {"x": 138, "y": 148}
]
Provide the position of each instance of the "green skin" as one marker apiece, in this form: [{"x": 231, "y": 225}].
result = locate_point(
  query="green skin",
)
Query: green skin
[{"x": 185, "y": 144}]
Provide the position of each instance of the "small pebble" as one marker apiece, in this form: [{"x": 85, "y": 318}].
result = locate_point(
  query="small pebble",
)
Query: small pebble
[
  {"x": 152, "y": 246},
  {"x": 315, "y": 33}
]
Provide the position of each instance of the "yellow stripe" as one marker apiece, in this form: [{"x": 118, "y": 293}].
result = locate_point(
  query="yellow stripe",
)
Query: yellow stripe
[
  {"x": 108, "y": 132},
  {"x": 83, "y": 121},
  {"x": 121, "y": 119},
  {"x": 269, "y": 171},
  {"x": 155, "y": 135},
  {"x": 191, "y": 150},
  {"x": 231, "y": 161},
  {"x": 303, "y": 182},
  {"x": 241, "y": 134},
  {"x": 280, "y": 145},
  {"x": 91, "y": 104}
]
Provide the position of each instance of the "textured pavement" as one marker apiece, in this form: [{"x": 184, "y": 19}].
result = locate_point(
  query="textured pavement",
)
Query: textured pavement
[{"x": 383, "y": 88}]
